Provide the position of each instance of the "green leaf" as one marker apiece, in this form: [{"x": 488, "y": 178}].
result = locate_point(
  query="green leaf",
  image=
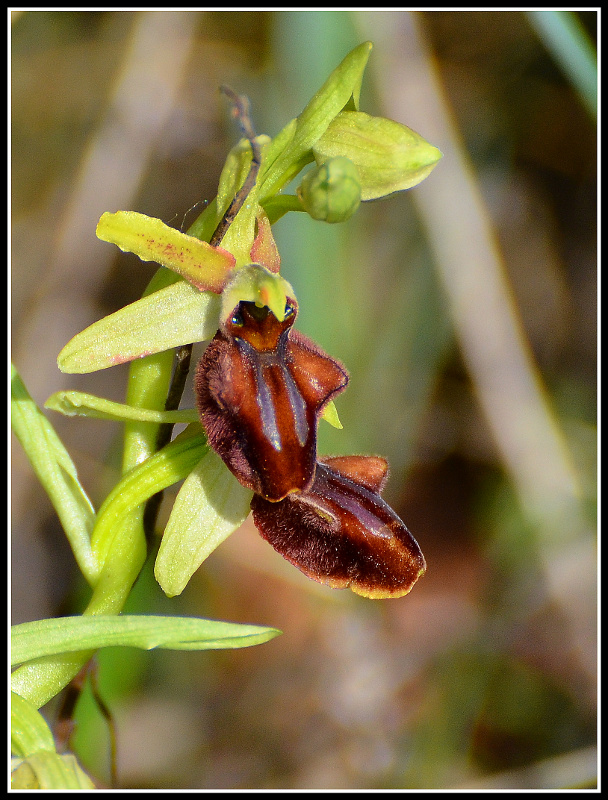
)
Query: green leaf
[
  {"x": 44, "y": 770},
  {"x": 81, "y": 404},
  {"x": 46, "y": 637},
  {"x": 203, "y": 266},
  {"x": 209, "y": 507},
  {"x": 29, "y": 729},
  {"x": 55, "y": 471},
  {"x": 178, "y": 314},
  {"x": 389, "y": 157},
  {"x": 163, "y": 469}
]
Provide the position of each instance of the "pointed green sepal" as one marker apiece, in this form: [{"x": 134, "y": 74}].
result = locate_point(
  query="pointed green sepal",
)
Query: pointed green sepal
[
  {"x": 389, "y": 157},
  {"x": 330, "y": 414},
  {"x": 210, "y": 505},
  {"x": 178, "y": 314}
]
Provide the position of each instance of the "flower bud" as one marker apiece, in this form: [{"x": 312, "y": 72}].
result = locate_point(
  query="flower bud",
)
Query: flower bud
[
  {"x": 331, "y": 192},
  {"x": 389, "y": 157}
]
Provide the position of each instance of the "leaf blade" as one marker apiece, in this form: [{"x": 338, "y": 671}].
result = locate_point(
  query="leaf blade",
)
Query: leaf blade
[{"x": 47, "y": 637}]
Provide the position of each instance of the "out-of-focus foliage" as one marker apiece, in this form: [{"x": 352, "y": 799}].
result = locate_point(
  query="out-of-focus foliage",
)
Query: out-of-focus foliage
[{"x": 485, "y": 674}]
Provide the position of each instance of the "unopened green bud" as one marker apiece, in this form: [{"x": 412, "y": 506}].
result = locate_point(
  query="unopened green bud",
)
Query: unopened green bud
[
  {"x": 389, "y": 157},
  {"x": 331, "y": 191}
]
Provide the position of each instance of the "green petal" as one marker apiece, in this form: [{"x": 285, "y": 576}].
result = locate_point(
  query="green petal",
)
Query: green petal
[
  {"x": 81, "y": 404},
  {"x": 149, "y": 238},
  {"x": 178, "y": 314},
  {"x": 209, "y": 507}
]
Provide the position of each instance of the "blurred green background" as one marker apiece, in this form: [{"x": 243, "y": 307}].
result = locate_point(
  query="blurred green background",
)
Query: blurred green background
[{"x": 465, "y": 311}]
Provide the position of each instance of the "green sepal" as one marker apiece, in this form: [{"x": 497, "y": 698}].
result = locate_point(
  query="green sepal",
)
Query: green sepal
[
  {"x": 389, "y": 157},
  {"x": 330, "y": 414},
  {"x": 178, "y": 314},
  {"x": 210, "y": 505}
]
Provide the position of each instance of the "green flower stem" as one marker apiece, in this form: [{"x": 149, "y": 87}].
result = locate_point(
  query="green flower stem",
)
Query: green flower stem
[
  {"x": 149, "y": 381},
  {"x": 163, "y": 469},
  {"x": 280, "y": 204},
  {"x": 123, "y": 554},
  {"x": 117, "y": 539}
]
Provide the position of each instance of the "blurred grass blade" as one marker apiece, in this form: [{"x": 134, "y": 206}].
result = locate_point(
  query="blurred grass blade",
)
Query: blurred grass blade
[
  {"x": 56, "y": 472},
  {"x": 47, "y": 637},
  {"x": 568, "y": 42},
  {"x": 81, "y": 404}
]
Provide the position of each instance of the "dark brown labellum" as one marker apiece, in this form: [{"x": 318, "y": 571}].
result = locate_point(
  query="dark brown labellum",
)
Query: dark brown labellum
[
  {"x": 342, "y": 533},
  {"x": 260, "y": 389}
]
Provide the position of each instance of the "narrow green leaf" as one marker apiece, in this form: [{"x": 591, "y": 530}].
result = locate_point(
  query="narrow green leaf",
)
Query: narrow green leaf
[
  {"x": 55, "y": 471},
  {"x": 178, "y": 314},
  {"x": 149, "y": 238},
  {"x": 81, "y": 404},
  {"x": 44, "y": 770},
  {"x": 171, "y": 464},
  {"x": 29, "y": 729},
  {"x": 46, "y": 637},
  {"x": 209, "y": 507}
]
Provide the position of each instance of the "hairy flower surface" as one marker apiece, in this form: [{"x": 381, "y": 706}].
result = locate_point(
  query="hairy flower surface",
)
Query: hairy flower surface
[
  {"x": 341, "y": 532},
  {"x": 261, "y": 387}
]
